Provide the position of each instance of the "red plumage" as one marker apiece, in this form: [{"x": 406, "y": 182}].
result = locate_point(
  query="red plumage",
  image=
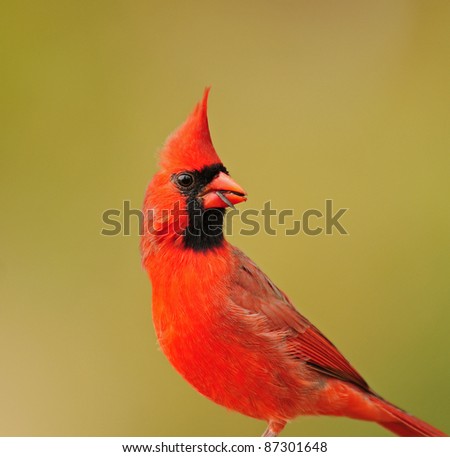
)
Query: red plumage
[
  {"x": 225, "y": 327},
  {"x": 190, "y": 146}
]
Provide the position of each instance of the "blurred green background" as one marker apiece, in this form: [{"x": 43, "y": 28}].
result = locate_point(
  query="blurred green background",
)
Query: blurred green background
[{"x": 347, "y": 100}]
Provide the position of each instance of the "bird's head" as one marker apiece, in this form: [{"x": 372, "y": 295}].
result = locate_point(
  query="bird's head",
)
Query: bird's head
[{"x": 186, "y": 199}]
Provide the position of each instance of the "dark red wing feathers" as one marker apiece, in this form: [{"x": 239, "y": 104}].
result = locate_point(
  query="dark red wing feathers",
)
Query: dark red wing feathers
[{"x": 255, "y": 292}]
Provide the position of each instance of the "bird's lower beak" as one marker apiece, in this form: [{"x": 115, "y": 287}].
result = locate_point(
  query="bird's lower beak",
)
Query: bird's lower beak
[{"x": 221, "y": 192}]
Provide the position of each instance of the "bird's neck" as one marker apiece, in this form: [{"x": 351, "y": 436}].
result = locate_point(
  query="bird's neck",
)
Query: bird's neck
[{"x": 194, "y": 231}]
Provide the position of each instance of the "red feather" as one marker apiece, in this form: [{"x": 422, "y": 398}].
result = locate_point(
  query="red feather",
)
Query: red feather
[
  {"x": 190, "y": 146},
  {"x": 255, "y": 291}
]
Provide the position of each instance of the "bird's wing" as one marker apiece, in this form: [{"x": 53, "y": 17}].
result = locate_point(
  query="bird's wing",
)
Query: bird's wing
[{"x": 255, "y": 292}]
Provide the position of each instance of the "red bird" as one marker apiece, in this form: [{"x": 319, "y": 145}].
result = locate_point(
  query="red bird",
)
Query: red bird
[{"x": 221, "y": 322}]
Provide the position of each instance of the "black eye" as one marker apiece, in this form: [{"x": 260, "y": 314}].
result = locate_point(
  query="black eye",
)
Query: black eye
[{"x": 185, "y": 180}]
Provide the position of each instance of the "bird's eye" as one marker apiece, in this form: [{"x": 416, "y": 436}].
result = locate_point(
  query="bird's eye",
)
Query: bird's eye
[{"x": 185, "y": 180}]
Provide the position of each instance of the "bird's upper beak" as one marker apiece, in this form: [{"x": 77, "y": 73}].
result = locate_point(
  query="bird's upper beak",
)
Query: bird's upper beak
[{"x": 222, "y": 191}]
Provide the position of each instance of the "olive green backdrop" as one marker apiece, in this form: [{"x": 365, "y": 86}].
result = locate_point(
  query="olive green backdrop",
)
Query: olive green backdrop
[{"x": 346, "y": 100}]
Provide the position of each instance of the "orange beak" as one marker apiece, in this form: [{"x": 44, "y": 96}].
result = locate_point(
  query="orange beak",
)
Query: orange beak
[{"x": 221, "y": 192}]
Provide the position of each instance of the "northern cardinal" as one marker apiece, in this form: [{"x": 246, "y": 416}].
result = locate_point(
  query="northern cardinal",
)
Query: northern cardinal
[{"x": 221, "y": 322}]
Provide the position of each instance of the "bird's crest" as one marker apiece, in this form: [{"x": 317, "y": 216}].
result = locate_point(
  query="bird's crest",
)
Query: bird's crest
[{"x": 190, "y": 146}]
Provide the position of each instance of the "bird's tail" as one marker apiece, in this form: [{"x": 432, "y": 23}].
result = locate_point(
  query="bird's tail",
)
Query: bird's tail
[{"x": 402, "y": 423}]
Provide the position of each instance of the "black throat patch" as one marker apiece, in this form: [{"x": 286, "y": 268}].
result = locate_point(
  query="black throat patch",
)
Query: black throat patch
[{"x": 205, "y": 229}]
